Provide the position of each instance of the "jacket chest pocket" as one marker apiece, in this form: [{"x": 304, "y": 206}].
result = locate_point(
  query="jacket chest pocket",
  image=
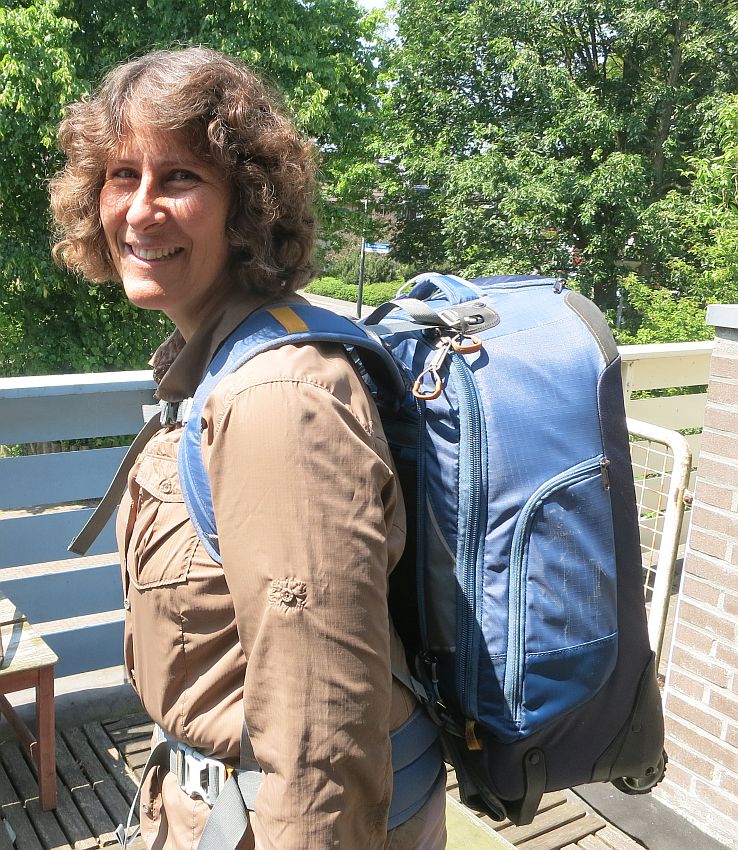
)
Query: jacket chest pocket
[{"x": 163, "y": 540}]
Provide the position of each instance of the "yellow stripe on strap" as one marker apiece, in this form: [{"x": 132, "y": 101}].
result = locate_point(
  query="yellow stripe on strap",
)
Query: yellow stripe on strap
[{"x": 289, "y": 320}]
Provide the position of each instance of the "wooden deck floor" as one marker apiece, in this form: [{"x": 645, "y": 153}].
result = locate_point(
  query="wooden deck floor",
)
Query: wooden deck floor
[{"x": 97, "y": 765}]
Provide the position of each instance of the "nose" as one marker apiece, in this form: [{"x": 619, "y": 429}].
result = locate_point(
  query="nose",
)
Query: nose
[{"x": 145, "y": 208}]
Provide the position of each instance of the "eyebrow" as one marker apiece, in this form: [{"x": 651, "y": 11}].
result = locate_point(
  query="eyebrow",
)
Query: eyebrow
[{"x": 166, "y": 163}]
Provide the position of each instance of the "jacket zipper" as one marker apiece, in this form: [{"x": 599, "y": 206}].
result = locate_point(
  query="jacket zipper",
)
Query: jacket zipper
[
  {"x": 472, "y": 527},
  {"x": 515, "y": 661}
]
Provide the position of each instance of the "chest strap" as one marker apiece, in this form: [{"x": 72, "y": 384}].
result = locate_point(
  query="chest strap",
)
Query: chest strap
[{"x": 417, "y": 767}]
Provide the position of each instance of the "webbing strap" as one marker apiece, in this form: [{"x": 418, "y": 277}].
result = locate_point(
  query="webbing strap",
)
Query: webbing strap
[
  {"x": 417, "y": 766},
  {"x": 158, "y": 757},
  {"x": 247, "y": 759},
  {"x": 229, "y": 818},
  {"x": 413, "y": 307},
  {"x": 109, "y": 502},
  {"x": 402, "y": 674}
]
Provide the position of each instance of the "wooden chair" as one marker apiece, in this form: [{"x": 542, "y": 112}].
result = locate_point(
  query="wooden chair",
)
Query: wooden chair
[{"x": 27, "y": 662}]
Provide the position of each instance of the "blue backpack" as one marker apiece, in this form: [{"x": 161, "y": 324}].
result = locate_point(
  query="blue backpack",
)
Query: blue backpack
[{"x": 519, "y": 597}]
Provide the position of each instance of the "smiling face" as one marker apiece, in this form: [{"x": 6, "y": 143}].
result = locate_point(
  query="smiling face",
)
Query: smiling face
[{"x": 164, "y": 211}]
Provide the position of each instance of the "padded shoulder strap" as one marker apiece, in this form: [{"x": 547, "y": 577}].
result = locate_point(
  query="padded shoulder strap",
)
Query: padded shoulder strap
[{"x": 268, "y": 328}]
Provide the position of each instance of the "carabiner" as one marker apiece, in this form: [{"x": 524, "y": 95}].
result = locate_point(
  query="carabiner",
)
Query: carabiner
[
  {"x": 433, "y": 369},
  {"x": 430, "y": 395}
]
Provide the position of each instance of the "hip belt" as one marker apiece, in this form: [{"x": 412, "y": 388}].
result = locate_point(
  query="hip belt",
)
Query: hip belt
[{"x": 417, "y": 767}]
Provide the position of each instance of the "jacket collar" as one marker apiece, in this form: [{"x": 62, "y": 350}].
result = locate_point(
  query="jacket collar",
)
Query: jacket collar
[{"x": 179, "y": 366}]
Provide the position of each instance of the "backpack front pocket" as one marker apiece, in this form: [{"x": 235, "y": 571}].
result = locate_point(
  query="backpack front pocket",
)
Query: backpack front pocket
[{"x": 562, "y": 624}]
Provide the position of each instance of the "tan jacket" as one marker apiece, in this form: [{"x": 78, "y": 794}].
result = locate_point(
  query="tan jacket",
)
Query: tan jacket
[{"x": 293, "y": 630}]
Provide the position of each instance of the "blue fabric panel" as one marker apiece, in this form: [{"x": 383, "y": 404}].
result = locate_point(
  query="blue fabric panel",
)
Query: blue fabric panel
[
  {"x": 417, "y": 763},
  {"x": 492, "y": 708},
  {"x": 537, "y": 425},
  {"x": 523, "y": 306},
  {"x": 440, "y": 588},
  {"x": 442, "y": 461},
  {"x": 409, "y": 741},
  {"x": 558, "y": 681},
  {"x": 571, "y": 577},
  {"x": 570, "y": 598},
  {"x": 513, "y": 281},
  {"x": 441, "y": 445}
]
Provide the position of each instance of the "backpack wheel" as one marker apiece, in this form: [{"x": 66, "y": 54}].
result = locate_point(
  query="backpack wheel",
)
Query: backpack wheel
[{"x": 643, "y": 784}]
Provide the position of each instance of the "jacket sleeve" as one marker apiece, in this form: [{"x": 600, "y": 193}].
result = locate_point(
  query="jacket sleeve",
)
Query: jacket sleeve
[{"x": 302, "y": 502}]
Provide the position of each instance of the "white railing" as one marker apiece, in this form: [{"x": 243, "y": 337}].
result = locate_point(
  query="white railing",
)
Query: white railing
[
  {"x": 76, "y": 603},
  {"x": 665, "y": 389},
  {"x": 675, "y": 370},
  {"x": 662, "y": 463}
]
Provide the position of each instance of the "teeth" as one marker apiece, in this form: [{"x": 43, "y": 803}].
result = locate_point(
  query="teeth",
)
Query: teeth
[{"x": 153, "y": 253}]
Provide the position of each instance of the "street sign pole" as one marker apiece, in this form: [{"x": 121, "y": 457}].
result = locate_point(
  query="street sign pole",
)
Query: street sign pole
[{"x": 360, "y": 289}]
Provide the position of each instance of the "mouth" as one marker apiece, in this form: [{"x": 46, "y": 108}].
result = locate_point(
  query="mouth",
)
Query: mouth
[{"x": 149, "y": 254}]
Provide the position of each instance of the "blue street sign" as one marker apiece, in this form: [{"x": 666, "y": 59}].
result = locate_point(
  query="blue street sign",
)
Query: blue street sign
[{"x": 377, "y": 248}]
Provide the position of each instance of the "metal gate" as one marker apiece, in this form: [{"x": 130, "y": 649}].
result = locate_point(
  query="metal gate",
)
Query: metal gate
[{"x": 662, "y": 461}]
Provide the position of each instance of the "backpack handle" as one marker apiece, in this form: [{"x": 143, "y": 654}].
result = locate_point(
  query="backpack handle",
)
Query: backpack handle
[{"x": 456, "y": 289}]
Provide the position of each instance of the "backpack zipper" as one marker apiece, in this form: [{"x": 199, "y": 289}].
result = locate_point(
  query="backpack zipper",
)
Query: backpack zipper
[
  {"x": 420, "y": 508},
  {"x": 472, "y": 527},
  {"x": 515, "y": 662}
]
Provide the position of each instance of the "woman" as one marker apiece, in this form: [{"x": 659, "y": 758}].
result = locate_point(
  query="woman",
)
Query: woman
[{"x": 186, "y": 183}]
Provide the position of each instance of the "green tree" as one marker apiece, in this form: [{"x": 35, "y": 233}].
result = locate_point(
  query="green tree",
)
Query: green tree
[
  {"x": 320, "y": 53},
  {"x": 52, "y": 51},
  {"x": 549, "y": 131},
  {"x": 48, "y": 320},
  {"x": 693, "y": 240}
]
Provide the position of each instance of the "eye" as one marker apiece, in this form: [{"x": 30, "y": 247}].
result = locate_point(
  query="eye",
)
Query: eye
[
  {"x": 122, "y": 172},
  {"x": 182, "y": 175}
]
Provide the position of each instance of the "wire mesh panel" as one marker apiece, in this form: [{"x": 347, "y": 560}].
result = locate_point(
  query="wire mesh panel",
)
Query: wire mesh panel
[{"x": 662, "y": 462}]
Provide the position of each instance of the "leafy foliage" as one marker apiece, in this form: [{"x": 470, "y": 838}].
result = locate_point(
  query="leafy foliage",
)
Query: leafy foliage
[
  {"x": 378, "y": 268},
  {"x": 374, "y": 294},
  {"x": 321, "y": 53},
  {"x": 567, "y": 137},
  {"x": 594, "y": 140}
]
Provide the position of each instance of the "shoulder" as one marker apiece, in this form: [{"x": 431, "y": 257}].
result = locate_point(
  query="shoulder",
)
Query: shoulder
[{"x": 321, "y": 372}]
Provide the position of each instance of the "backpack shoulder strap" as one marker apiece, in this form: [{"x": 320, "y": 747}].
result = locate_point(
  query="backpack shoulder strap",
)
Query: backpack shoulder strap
[{"x": 263, "y": 330}]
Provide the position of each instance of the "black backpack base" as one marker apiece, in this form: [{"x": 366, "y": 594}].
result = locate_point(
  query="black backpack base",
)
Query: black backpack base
[{"x": 634, "y": 762}]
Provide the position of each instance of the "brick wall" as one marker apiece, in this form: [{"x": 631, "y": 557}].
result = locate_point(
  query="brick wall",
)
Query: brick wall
[{"x": 701, "y": 692}]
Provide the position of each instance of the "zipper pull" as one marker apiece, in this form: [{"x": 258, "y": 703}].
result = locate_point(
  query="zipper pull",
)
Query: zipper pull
[
  {"x": 470, "y": 733},
  {"x": 605, "y": 473}
]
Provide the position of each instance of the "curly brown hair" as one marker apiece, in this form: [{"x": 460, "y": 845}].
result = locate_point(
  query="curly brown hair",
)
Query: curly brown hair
[{"x": 229, "y": 116}]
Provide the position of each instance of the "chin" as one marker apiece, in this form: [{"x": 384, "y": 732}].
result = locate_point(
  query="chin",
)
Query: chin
[{"x": 146, "y": 296}]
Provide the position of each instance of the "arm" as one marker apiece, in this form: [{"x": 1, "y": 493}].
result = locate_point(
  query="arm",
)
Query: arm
[{"x": 300, "y": 497}]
